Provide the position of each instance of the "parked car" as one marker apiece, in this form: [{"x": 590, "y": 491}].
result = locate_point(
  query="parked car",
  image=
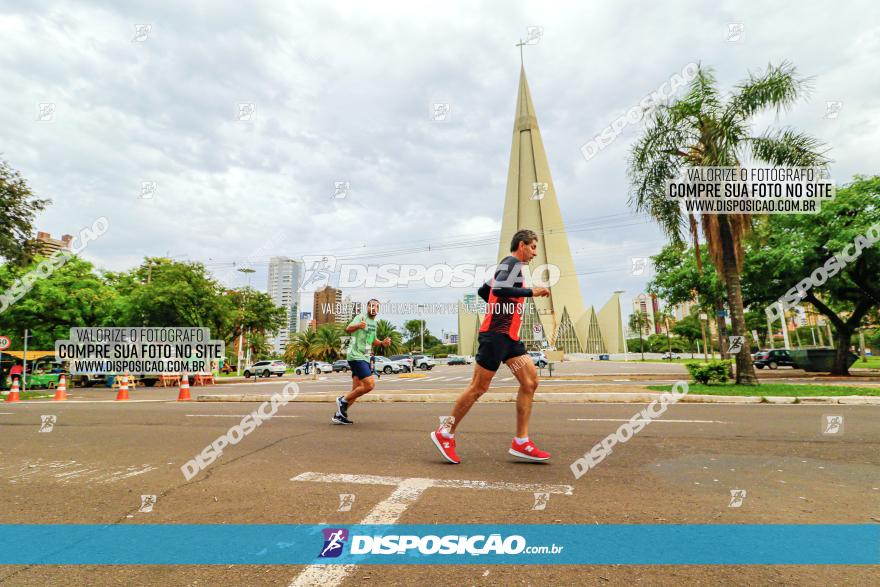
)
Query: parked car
[
  {"x": 404, "y": 365},
  {"x": 456, "y": 360},
  {"x": 312, "y": 366},
  {"x": 773, "y": 359},
  {"x": 265, "y": 369},
  {"x": 340, "y": 365},
  {"x": 669, "y": 356},
  {"x": 539, "y": 359},
  {"x": 387, "y": 366},
  {"x": 423, "y": 362}
]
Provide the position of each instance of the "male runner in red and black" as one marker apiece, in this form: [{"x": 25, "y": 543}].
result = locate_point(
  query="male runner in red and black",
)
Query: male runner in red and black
[{"x": 499, "y": 343}]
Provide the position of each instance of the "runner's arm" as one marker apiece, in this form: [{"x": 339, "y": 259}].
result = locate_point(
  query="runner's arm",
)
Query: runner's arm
[
  {"x": 354, "y": 324},
  {"x": 504, "y": 274}
]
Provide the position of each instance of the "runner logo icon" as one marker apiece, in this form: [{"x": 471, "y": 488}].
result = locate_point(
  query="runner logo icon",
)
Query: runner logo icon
[{"x": 334, "y": 540}]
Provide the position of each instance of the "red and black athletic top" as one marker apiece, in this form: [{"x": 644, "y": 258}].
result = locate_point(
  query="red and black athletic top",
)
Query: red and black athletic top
[{"x": 504, "y": 296}]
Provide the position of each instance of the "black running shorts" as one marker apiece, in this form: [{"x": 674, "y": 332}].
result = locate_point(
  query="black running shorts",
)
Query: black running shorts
[{"x": 496, "y": 348}]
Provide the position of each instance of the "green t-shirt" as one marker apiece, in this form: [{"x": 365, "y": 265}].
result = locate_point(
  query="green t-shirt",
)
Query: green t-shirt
[{"x": 361, "y": 339}]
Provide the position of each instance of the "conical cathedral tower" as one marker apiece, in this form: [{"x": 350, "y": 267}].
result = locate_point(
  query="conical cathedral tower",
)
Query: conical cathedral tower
[{"x": 530, "y": 203}]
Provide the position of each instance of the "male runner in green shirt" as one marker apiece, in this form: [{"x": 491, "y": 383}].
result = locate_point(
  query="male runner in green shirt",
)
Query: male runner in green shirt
[{"x": 363, "y": 336}]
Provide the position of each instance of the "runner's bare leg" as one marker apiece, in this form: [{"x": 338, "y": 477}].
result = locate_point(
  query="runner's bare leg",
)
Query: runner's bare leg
[
  {"x": 363, "y": 387},
  {"x": 477, "y": 387},
  {"x": 524, "y": 370}
]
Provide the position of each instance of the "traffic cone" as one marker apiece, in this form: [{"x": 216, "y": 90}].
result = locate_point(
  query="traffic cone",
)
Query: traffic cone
[
  {"x": 13, "y": 396},
  {"x": 184, "y": 389},
  {"x": 123, "y": 389},
  {"x": 61, "y": 390}
]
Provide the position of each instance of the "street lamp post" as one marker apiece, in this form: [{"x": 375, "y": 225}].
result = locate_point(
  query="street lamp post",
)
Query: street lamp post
[
  {"x": 704, "y": 316},
  {"x": 421, "y": 330},
  {"x": 247, "y": 271},
  {"x": 625, "y": 350}
]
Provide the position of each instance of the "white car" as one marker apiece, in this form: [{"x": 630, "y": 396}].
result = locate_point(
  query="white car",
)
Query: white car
[
  {"x": 424, "y": 362},
  {"x": 539, "y": 359},
  {"x": 387, "y": 366},
  {"x": 404, "y": 365},
  {"x": 265, "y": 369},
  {"x": 309, "y": 368}
]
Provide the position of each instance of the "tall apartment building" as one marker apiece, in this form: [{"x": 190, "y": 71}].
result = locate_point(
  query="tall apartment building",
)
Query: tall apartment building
[
  {"x": 283, "y": 287},
  {"x": 328, "y": 302},
  {"x": 350, "y": 309},
  {"x": 648, "y": 304}
]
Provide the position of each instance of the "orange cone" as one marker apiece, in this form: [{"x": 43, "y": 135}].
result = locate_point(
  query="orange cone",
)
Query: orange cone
[
  {"x": 14, "y": 396},
  {"x": 184, "y": 389},
  {"x": 61, "y": 390},
  {"x": 123, "y": 389}
]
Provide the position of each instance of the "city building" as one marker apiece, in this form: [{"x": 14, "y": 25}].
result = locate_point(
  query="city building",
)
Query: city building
[
  {"x": 283, "y": 287},
  {"x": 328, "y": 302},
  {"x": 46, "y": 245},
  {"x": 561, "y": 320},
  {"x": 683, "y": 310},
  {"x": 305, "y": 320},
  {"x": 648, "y": 304},
  {"x": 350, "y": 309}
]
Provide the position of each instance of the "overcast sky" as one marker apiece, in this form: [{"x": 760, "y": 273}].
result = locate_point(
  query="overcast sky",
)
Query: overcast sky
[{"x": 342, "y": 91}]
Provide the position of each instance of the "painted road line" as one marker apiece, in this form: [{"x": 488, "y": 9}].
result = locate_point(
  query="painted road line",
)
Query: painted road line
[
  {"x": 231, "y": 416},
  {"x": 98, "y": 401},
  {"x": 388, "y": 511},
  {"x": 646, "y": 421}
]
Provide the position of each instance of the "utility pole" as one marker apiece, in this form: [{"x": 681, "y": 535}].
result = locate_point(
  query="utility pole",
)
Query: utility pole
[
  {"x": 247, "y": 271},
  {"x": 421, "y": 330},
  {"x": 784, "y": 326},
  {"x": 641, "y": 342},
  {"x": 704, "y": 316},
  {"x": 623, "y": 332},
  {"x": 24, "y": 360},
  {"x": 862, "y": 345}
]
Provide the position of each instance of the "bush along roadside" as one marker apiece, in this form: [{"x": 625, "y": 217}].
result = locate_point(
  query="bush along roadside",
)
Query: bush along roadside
[{"x": 715, "y": 371}]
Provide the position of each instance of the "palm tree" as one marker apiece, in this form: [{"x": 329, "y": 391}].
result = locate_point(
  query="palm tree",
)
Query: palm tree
[
  {"x": 385, "y": 329},
  {"x": 638, "y": 321},
  {"x": 302, "y": 345},
  {"x": 328, "y": 343},
  {"x": 703, "y": 128},
  {"x": 664, "y": 316}
]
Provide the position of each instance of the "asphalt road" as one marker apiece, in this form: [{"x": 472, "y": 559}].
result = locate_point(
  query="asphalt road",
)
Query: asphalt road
[
  {"x": 100, "y": 457},
  {"x": 588, "y": 376}
]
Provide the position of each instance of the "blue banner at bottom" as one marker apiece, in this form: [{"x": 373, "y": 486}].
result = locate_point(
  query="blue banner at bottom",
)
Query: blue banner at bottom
[{"x": 619, "y": 544}]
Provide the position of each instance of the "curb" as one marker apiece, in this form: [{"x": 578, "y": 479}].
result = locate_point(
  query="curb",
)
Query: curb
[{"x": 572, "y": 398}]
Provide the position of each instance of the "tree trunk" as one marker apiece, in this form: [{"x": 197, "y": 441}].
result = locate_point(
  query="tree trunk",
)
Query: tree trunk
[
  {"x": 721, "y": 327},
  {"x": 843, "y": 329},
  {"x": 745, "y": 369},
  {"x": 844, "y": 335}
]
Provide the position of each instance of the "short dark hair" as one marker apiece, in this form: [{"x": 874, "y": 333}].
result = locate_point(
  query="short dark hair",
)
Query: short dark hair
[{"x": 522, "y": 236}]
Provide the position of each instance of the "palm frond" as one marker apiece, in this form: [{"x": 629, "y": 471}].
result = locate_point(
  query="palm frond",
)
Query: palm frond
[
  {"x": 777, "y": 87},
  {"x": 789, "y": 148}
]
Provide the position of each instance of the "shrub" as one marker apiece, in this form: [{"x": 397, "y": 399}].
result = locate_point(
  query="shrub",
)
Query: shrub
[{"x": 715, "y": 371}]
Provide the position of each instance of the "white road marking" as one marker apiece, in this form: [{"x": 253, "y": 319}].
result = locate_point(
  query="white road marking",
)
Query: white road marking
[
  {"x": 646, "y": 420},
  {"x": 230, "y": 416},
  {"x": 389, "y": 511},
  {"x": 97, "y": 401},
  {"x": 65, "y": 471}
]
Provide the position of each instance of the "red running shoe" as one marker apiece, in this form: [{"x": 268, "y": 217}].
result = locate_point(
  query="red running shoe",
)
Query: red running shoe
[
  {"x": 446, "y": 446},
  {"x": 528, "y": 451}
]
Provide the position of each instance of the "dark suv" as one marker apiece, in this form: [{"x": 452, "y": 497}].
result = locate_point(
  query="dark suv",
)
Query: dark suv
[{"x": 773, "y": 359}]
